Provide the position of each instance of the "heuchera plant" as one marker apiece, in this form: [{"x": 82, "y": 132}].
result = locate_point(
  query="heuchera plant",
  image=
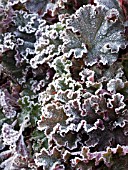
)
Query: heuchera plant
[{"x": 63, "y": 84}]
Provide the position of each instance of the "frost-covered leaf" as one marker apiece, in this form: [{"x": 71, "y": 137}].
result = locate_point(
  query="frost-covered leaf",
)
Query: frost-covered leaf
[
  {"x": 102, "y": 73},
  {"x": 24, "y": 32},
  {"x": 117, "y": 102},
  {"x": 29, "y": 111},
  {"x": 38, "y": 140},
  {"x": 10, "y": 136},
  {"x": 65, "y": 96},
  {"x": 16, "y": 162},
  {"x": 108, "y": 4},
  {"x": 48, "y": 43},
  {"x": 42, "y": 76},
  {"x": 26, "y": 22},
  {"x": 49, "y": 160},
  {"x": 94, "y": 31},
  {"x": 120, "y": 5},
  {"x": 74, "y": 111},
  {"x": 115, "y": 85},
  {"x": 41, "y": 7},
  {"x": 52, "y": 116},
  {"x": 6, "y": 16},
  {"x": 8, "y": 102},
  {"x": 61, "y": 65},
  {"x": 107, "y": 157},
  {"x": 69, "y": 140},
  {"x": 9, "y": 62}
]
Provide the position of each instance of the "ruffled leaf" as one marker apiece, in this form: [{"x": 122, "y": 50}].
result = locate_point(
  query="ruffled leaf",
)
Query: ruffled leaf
[{"x": 97, "y": 36}]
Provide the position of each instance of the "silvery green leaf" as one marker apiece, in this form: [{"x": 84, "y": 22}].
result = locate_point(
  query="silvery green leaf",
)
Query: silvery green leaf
[{"x": 96, "y": 32}]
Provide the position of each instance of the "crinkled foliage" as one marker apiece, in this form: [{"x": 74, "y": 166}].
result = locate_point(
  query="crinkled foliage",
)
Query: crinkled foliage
[
  {"x": 93, "y": 31},
  {"x": 63, "y": 85}
]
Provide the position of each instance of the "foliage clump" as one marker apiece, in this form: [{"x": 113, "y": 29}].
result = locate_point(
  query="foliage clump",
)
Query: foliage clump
[{"x": 63, "y": 85}]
